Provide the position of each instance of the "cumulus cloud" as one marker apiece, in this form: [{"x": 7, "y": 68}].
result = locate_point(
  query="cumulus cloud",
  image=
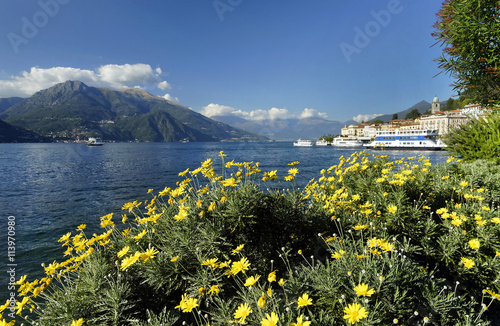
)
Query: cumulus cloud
[
  {"x": 171, "y": 98},
  {"x": 164, "y": 85},
  {"x": 312, "y": 113},
  {"x": 111, "y": 76},
  {"x": 365, "y": 117},
  {"x": 213, "y": 110}
]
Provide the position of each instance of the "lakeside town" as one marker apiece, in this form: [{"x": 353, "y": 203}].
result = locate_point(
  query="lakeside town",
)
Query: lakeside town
[{"x": 441, "y": 121}]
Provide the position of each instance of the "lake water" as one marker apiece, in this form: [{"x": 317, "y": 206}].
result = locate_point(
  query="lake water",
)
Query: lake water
[{"x": 50, "y": 189}]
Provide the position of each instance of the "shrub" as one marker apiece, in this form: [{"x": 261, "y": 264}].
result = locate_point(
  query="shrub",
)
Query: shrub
[
  {"x": 478, "y": 139},
  {"x": 370, "y": 241}
]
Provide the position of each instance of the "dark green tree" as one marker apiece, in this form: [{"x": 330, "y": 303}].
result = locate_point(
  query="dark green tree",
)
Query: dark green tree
[
  {"x": 328, "y": 138},
  {"x": 413, "y": 114},
  {"x": 395, "y": 116},
  {"x": 449, "y": 104},
  {"x": 469, "y": 31}
]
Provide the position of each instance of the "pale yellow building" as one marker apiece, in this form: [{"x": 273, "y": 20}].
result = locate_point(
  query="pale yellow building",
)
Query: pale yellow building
[
  {"x": 353, "y": 131},
  {"x": 443, "y": 121}
]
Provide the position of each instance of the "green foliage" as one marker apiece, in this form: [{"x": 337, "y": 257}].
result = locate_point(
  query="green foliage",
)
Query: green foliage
[
  {"x": 328, "y": 138},
  {"x": 455, "y": 104},
  {"x": 469, "y": 30},
  {"x": 390, "y": 241},
  {"x": 413, "y": 114},
  {"x": 478, "y": 139}
]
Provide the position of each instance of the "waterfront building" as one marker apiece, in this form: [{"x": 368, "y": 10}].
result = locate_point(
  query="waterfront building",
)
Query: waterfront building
[
  {"x": 353, "y": 130},
  {"x": 443, "y": 120},
  {"x": 370, "y": 130},
  {"x": 438, "y": 120},
  {"x": 473, "y": 110}
]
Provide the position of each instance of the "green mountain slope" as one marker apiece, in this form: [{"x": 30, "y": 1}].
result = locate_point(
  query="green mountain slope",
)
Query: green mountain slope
[
  {"x": 74, "y": 110},
  {"x": 11, "y": 134},
  {"x": 6, "y": 103}
]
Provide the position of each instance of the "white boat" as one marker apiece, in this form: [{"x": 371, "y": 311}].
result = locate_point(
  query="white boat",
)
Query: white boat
[
  {"x": 322, "y": 143},
  {"x": 418, "y": 139},
  {"x": 346, "y": 142},
  {"x": 94, "y": 142},
  {"x": 303, "y": 143}
]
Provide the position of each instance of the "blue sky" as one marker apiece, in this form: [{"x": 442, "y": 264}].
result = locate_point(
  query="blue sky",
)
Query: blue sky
[{"x": 255, "y": 59}]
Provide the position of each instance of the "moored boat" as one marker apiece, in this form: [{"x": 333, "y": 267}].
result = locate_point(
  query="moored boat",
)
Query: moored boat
[
  {"x": 322, "y": 143},
  {"x": 417, "y": 139},
  {"x": 303, "y": 143},
  {"x": 346, "y": 142}
]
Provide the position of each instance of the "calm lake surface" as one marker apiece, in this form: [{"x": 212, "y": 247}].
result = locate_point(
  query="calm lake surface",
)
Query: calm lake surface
[{"x": 50, "y": 189}]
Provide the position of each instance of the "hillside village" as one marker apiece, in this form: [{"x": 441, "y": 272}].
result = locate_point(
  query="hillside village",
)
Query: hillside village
[{"x": 438, "y": 120}]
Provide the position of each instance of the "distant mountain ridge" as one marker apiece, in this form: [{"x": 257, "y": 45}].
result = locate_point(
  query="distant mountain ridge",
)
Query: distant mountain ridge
[
  {"x": 285, "y": 129},
  {"x": 74, "y": 110},
  {"x": 309, "y": 128},
  {"x": 421, "y": 106},
  {"x": 6, "y": 103}
]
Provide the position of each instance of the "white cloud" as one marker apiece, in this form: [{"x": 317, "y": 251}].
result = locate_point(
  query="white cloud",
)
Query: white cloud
[
  {"x": 120, "y": 76},
  {"x": 365, "y": 117},
  {"x": 213, "y": 110},
  {"x": 312, "y": 113},
  {"x": 111, "y": 76},
  {"x": 164, "y": 85},
  {"x": 171, "y": 98}
]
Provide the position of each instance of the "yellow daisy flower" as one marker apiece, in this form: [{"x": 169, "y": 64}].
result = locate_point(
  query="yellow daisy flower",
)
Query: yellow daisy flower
[
  {"x": 304, "y": 300},
  {"x": 354, "y": 313},
  {"x": 363, "y": 289},
  {"x": 242, "y": 312}
]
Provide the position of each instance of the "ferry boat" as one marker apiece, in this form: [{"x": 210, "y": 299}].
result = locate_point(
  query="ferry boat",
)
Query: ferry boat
[
  {"x": 94, "y": 142},
  {"x": 418, "y": 139},
  {"x": 322, "y": 143},
  {"x": 303, "y": 143},
  {"x": 346, "y": 142}
]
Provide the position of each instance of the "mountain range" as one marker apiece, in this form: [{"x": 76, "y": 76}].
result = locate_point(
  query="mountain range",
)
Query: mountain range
[
  {"x": 72, "y": 110},
  {"x": 285, "y": 129},
  {"x": 309, "y": 128},
  {"x": 422, "y": 107}
]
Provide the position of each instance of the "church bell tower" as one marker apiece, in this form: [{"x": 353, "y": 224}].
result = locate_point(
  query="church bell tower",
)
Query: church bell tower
[{"x": 436, "y": 106}]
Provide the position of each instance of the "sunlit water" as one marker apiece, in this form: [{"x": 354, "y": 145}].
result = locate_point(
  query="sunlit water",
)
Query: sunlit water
[{"x": 50, "y": 189}]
